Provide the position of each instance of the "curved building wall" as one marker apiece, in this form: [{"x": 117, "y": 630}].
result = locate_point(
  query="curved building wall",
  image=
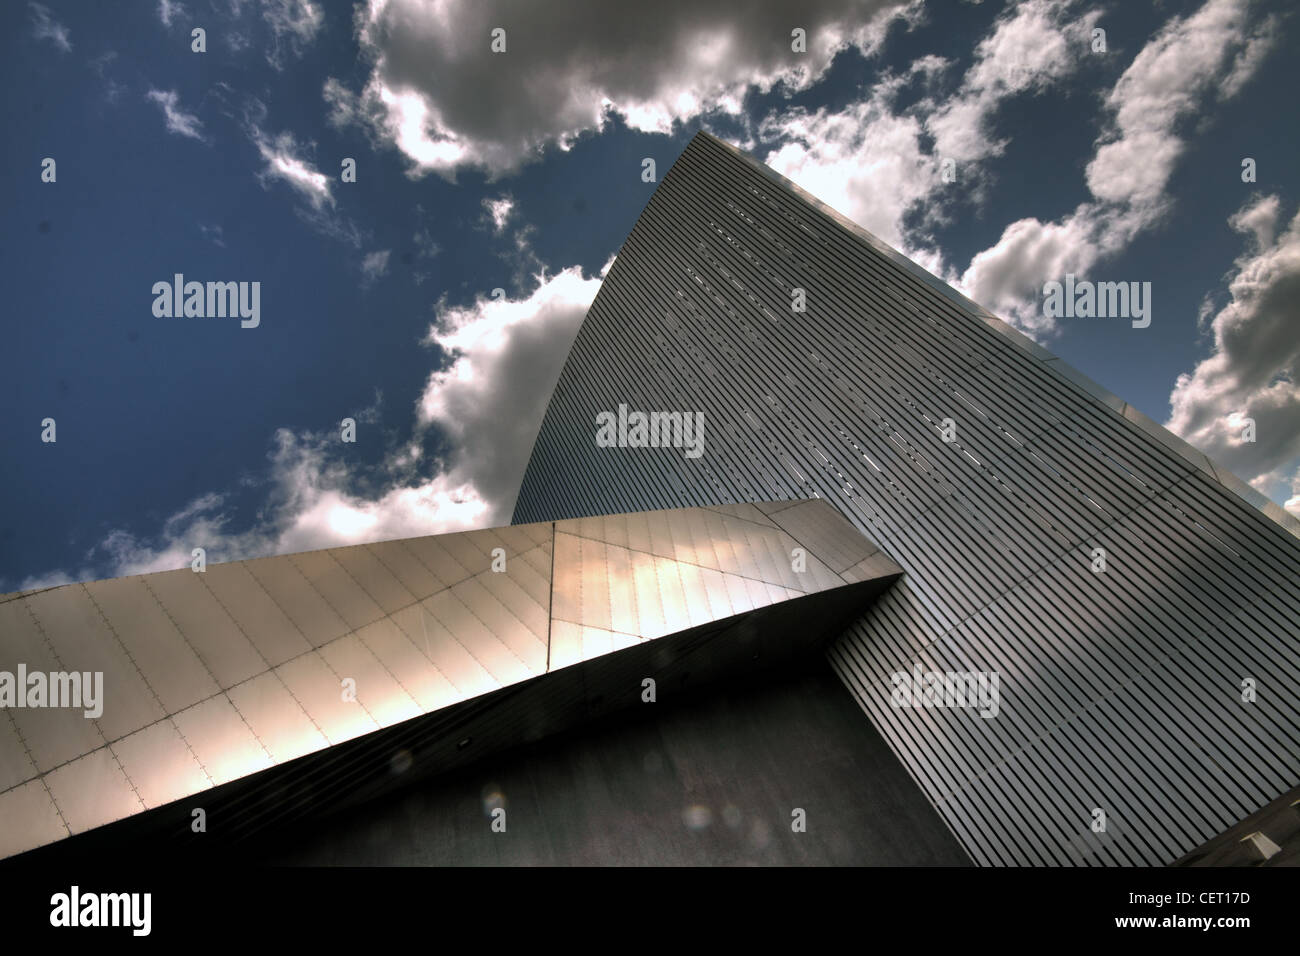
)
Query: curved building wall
[{"x": 1120, "y": 690}]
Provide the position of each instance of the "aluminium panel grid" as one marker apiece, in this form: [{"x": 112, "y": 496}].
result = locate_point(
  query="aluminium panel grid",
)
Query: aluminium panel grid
[{"x": 1122, "y": 690}]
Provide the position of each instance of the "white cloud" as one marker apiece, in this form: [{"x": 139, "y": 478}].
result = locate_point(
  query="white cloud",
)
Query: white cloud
[
  {"x": 169, "y": 10},
  {"x": 178, "y": 121},
  {"x": 1190, "y": 62},
  {"x": 501, "y": 358},
  {"x": 310, "y": 505},
  {"x": 45, "y": 27},
  {"x": 375, "y": 264},
  {"x": 425, "y": 246},
  {"x": 1166, "y": 83},
  {"x": 293, "y": 24},
  {"x": 1006, "y": 278},
  {"x": 113, "y": 90},
  {"x": 1032, "y": 46},
  {"x": 335, "y": 226},
  {"x": 439, "y": 95},
  {"x": 1260, "y": 45},
  {"x": 865, "y": 161},
  {"x": 100, "y": 63},
  {"x": 499, "y": 211},
  {"x": 505, "y": 358},
  {"x": 299, "y": 19},
  {"x": 284, "y": 162},
  {"x": 1254, "y": 371},
  {"x": 288, "y": 160},
  {"x": 871, "y": 162}
]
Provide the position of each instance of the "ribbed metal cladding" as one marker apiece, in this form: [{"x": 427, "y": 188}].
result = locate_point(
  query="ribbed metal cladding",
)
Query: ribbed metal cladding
[{"x": 1121, "y": 691}]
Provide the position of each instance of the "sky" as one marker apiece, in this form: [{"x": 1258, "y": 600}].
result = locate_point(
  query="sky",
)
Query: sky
[{"x": 432, "y": 297}]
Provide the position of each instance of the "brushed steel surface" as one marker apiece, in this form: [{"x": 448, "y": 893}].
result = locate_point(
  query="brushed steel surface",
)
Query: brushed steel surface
[
  {"x": 215, "y": 676},
  {"x": 1121, "y": 689}
]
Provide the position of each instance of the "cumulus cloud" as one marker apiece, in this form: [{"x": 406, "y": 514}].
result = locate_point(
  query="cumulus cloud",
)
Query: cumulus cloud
[
  {"x": 880, "y": 166},
  {"x": 877, "y": 164},
  {"x": 1166, "y": 83},
  {"x": 1254, "y": 371},
  {"x": 437, "y": 92},
  {"x": 505, "y": 358},
  {"x": 1006, "y": 278},
  {"x": 311, "y": 503},
  {"x": 865, "y": 160},
  {"x": 1190, "y": 62},
  {"x": 1032, "y": 46},
  {"x": 178, "y": 121},
  {"x": 45, "y": 27},
  {"x": 500, "y": 360}
]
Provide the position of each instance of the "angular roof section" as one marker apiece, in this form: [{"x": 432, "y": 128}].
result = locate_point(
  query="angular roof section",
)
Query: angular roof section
[{"x": 210, "y": 677}]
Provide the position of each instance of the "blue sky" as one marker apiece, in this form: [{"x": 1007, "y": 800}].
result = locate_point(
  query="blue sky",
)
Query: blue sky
[{"x": 521, "y": 171}]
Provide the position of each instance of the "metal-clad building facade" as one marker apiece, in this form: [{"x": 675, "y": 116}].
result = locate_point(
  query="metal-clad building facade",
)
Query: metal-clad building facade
[
  {"x": 231, "y": 685},
  {"x": 1121, "y": 690}
]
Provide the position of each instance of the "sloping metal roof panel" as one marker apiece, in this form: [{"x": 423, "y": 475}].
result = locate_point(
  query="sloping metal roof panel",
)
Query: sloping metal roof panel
[{"x": 211, "y": 677}]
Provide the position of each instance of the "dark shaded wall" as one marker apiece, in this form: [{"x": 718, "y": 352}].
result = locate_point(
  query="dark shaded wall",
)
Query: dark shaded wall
[{"x": 706, "y": 779}]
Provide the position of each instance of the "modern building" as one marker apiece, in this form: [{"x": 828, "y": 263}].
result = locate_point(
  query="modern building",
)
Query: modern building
[
  {"x": 202, "y": 710},
  {"x": 815, "y": 561},
  {"x": 1139, "y": 604}
]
